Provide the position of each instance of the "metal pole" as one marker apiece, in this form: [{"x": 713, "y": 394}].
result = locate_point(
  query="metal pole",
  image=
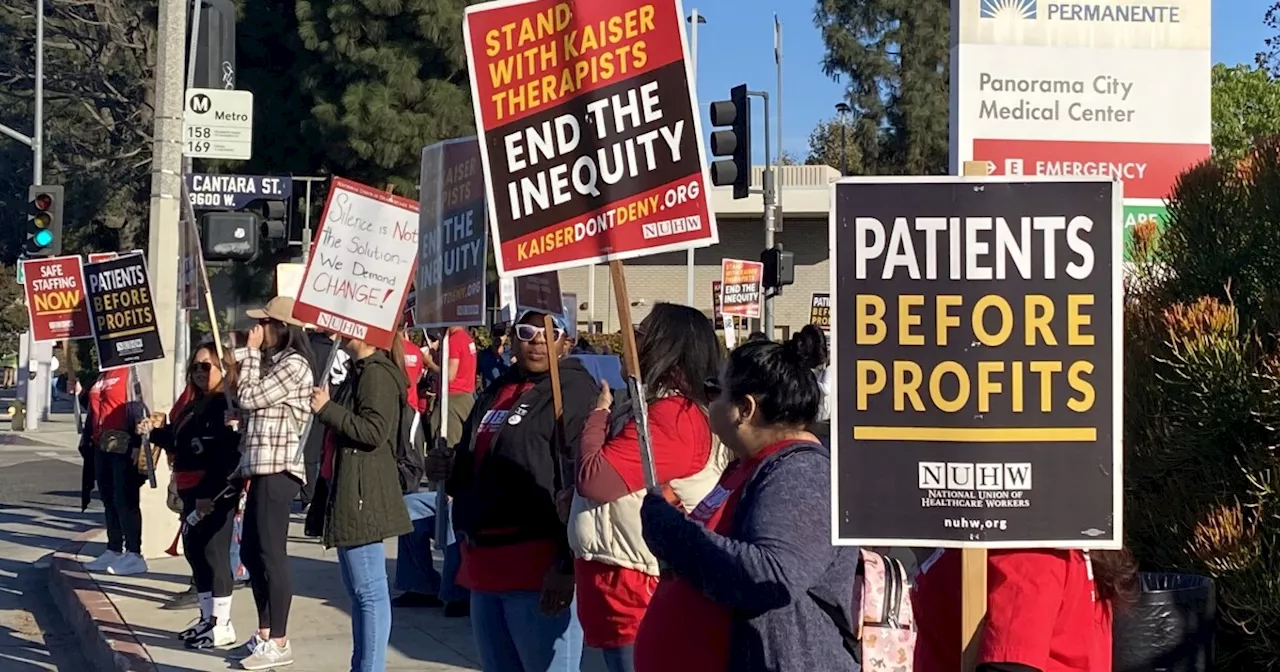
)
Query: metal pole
[
  {"x": 777, "y": 57},
  {"x": 770, "y": 202},
  {"x": 844, "y": 147},
  {"x": 695, "y": 19},
  {"x": 37, "y": 385},
  {"x": 306, "y": 225},
  {"x": 591, "y": 299}
]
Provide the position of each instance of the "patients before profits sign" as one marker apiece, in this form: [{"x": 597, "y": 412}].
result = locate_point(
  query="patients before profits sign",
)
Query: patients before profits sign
[
  {"x": 452, "y": 237},
  {"x": 361, "y": 264},
  {"x": 122, "y": 312},
  {"x": 589, "y": 134},
  {"x": 55, "y": 298},
  {"x": 978, "y": 326}
]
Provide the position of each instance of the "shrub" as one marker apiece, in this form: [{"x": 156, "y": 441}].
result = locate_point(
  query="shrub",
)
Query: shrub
[{"x": 1202, "y": 396}]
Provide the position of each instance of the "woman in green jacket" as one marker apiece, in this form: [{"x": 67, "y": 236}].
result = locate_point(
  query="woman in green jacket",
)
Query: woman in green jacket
[{"x": 357, "y": 504}]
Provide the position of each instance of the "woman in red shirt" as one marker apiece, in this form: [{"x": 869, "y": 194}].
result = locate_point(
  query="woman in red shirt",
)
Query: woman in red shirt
[
  {"x": 109, "y": 443},
  {"x": 615, "y": 573},
  {"x": 1047, "y": 610}
]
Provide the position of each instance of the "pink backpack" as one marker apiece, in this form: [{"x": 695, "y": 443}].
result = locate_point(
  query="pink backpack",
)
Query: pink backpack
[{"x": 886, "y": 636}]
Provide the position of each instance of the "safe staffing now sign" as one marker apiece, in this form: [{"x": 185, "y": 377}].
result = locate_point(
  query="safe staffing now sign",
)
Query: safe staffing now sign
[{"x": 55, "y": 298}]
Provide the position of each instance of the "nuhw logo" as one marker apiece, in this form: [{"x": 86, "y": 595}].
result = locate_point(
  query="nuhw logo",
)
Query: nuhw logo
[
  {"x": 1008, "y": 9},
  {"x": 974, "y": 476},
  {"x": 200, "y": 103}
]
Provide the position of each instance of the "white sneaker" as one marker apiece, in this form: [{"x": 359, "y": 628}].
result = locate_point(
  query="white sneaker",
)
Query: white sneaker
[
  {"x": 269, "y": 656},
  {"x": 102, "y": 562},
  {"x": 128, "y": 565},
  {"x": 213, "y": 637},
  {"x": 247, "y": 649}
]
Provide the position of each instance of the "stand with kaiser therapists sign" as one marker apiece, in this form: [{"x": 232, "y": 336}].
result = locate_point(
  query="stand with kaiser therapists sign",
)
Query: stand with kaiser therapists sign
[
  {"x": 361, "y": 265},
  {"x": 978, "y": 322},
  {"x": 593, "y": 150}
]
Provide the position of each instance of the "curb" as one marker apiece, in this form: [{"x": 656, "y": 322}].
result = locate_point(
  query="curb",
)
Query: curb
[{"x": 106, "y": 639}]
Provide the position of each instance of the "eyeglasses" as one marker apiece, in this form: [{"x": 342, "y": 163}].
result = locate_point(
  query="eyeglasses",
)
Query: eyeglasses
[
  {"x": 528, "y": 332},
  {"x": 713, "y": 387}
]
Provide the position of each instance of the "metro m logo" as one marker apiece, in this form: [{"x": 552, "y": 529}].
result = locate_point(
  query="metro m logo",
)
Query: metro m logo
[{"x": 200, "y": 103}]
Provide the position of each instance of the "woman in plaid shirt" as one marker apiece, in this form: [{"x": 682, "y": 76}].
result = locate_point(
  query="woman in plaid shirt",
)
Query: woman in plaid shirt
[{"x": 275, "y": 393}]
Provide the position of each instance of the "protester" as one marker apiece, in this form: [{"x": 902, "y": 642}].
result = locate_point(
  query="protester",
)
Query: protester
[
  {"x": 205, "y": 452},
  {"x": 504, "y": 477},
  {"x": 752, "y": 568},
  {"x": 460, "y": 385},
  {"x": 757, "y": 336},
  {"x": 826, "y": 378},
  {"x": 494, "y": 360},
  {"x": 275, "y": 388},
  {"x": 615, "y": 573},
  {"x": 110, "y": 448},
  {"x": 1047, "y": 610},
  {"x": 416, "y": 574},
  {"x": 358, "y": 503}
]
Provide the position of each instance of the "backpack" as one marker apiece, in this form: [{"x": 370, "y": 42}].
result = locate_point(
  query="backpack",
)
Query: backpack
[
  {"x": 886, "y": 636},
  {"x": 410, "y": 450}
]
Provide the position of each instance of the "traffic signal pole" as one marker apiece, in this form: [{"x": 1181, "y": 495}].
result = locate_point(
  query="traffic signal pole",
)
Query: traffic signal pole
[
  {"x": 39, "y": 391},
  {"x": 769, "y": 193}
]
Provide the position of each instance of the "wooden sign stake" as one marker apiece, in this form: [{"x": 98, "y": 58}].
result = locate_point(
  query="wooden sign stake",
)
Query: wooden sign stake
[{"x": 973, "y": 561}]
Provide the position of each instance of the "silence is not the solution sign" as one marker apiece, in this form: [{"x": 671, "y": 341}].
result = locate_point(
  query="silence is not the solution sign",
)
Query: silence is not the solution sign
[{"x": 978, "y": 328}]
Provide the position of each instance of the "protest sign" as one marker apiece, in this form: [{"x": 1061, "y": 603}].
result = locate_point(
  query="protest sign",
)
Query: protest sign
[
  {"x": 820, "y": 311},
  {"x": 741, "y": 287},
  {"x": 590, "y": 137},
  {"x": 453, "y": 237},
  {"x": 361, "y": 264},
  {"x": 716, "y": 315},
  {"x": 122, "y": 312},
  {"x": 55, "y": 298},
  {"x": 979, "y": 332},
  {"x": 95, "y": 257},
  {"x": 539, "y": 292},
  {"x": 289, "y": 279}
]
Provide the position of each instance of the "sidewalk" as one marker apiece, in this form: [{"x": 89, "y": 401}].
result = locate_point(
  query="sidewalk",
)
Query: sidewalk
[{"x": 130, "y": 632}]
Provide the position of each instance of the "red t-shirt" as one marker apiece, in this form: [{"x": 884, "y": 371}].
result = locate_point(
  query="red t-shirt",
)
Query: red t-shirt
[
  {"x": 462, "y": 349},
  {"x": 413, "y": 366},
  {"x": 612, "y": 600},
  {"x": 109, "y": 403},
  {"x": 684, "y": 629},
  {"x": 1041, "y": 612},
  {"x": 500, "y": 569}
]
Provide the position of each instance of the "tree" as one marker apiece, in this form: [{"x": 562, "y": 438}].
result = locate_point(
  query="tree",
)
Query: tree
[
  {"x": 1246, "y": 107},
  {"x": 13, "y": 315},
  {"x": 98, "y": 115},
  {"x": 894, "y": 55},
  {"x": 387, "y": 77},
  {"x": 833, "y": 140}
]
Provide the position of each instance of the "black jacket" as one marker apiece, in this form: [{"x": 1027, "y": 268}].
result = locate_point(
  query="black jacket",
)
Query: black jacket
[
  {"x": 202, "y": 442},
  {"x": 362, "y": 504},
  {"x": 512, "y": 498}
]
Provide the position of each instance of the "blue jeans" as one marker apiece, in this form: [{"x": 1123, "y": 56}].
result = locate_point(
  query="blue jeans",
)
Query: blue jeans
[
  {"x": 513, "y": 635},
  {"x": 415, "y": 566},
  {"x": 364, "y": 573},
  {"x": 621, "y": 659}
]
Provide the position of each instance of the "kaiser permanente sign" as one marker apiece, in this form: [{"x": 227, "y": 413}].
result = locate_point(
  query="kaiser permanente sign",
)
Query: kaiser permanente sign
[{"x": 1116, "y": 88}]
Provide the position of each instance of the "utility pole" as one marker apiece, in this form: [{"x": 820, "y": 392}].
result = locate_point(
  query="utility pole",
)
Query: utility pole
[
  {"x": 694, "y": 18},
  {"x": 163, "y": 251},
  {"x": 770, "y": 196},
  {"x": 777, "y": 60},
  {"x": 842, "y": 111}
]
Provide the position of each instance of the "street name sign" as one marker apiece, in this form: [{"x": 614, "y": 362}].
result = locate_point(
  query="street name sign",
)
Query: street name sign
[{"x": 218, "y": 124}]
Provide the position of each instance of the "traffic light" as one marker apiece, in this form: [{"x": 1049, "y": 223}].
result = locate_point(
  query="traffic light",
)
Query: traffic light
[
  {"x": 275, "y": 224},
  {"x": 44, "y": 222},
  {"x": 779, "y": 270},
  {"x": 230, "y": 236},
  {"x": 734, "y": 143}
]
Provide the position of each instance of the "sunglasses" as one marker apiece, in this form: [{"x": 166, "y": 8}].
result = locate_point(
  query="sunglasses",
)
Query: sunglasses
[
  {"x": 204, "y": 366},
  {"x": 528, "y": 332}
]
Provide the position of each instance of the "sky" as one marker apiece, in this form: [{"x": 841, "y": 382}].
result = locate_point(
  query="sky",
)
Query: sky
[{"x": 735, "y": 46}]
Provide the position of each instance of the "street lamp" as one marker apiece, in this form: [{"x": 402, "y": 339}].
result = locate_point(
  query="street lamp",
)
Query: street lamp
[
  {"x": 842, "y": 109},
  {"x": 694, "y": 18}
]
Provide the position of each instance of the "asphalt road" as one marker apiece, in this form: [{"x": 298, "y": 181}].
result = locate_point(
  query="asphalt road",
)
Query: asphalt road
[{"x": 39, "y": 512}]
